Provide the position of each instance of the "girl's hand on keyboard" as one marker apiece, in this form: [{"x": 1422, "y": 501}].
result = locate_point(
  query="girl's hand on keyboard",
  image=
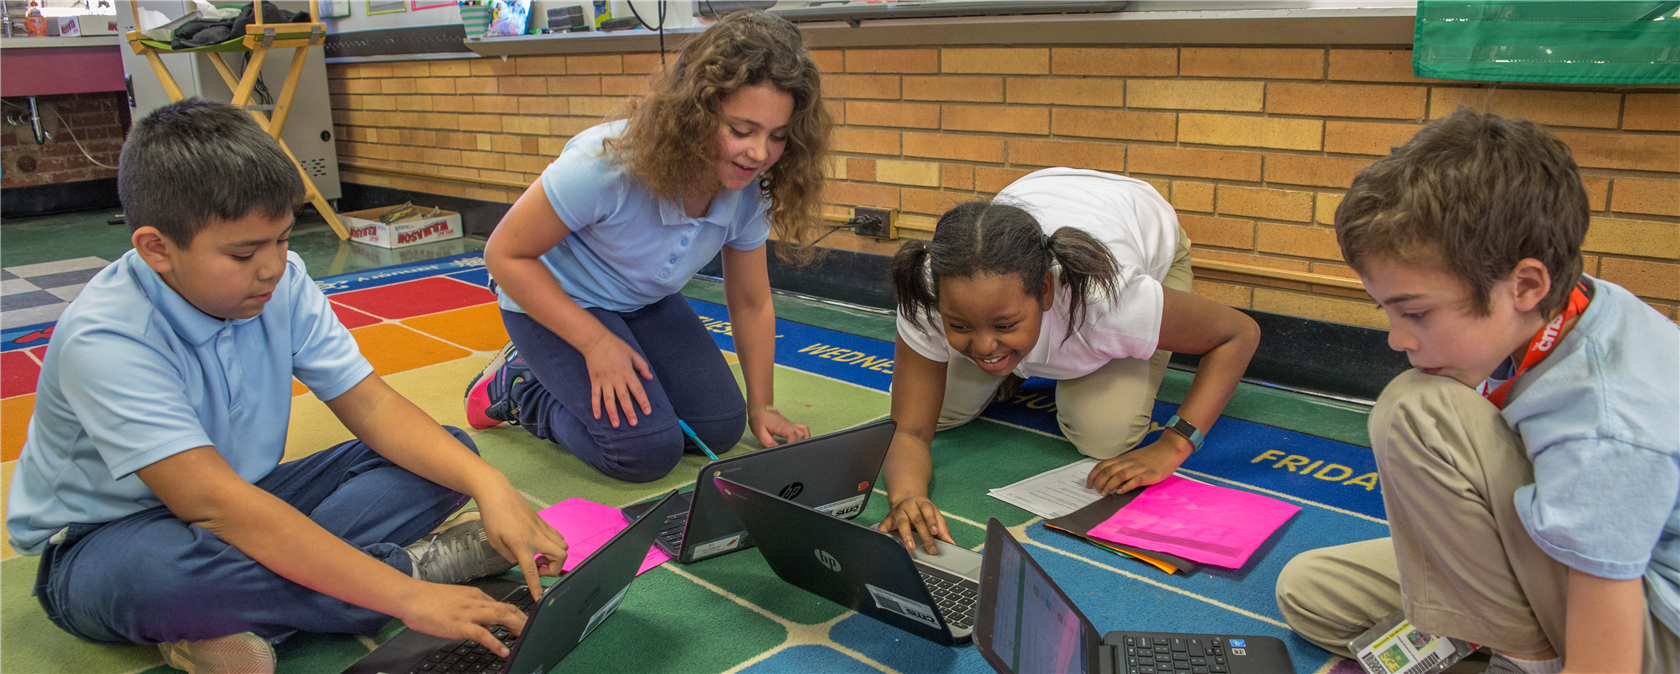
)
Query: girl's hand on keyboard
[{"x": 460, "y": 612}]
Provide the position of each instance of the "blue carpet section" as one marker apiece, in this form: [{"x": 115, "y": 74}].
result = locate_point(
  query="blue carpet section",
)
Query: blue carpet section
[
  {"x": 903, "y": 651},
  {"x": 807, "y": 660}
]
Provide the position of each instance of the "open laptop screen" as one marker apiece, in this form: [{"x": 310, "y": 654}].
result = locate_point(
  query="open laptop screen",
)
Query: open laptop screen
[{"x": 1033, "y": 628}]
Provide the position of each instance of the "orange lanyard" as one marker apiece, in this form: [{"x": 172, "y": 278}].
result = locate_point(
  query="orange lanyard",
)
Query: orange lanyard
[{"x": 1538, "y": 348}]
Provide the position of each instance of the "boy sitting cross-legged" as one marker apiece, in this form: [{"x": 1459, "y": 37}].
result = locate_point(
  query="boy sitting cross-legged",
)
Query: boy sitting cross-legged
[
  {"x": 1530, "y": 462},
  {"x": 151, "y": 482}
]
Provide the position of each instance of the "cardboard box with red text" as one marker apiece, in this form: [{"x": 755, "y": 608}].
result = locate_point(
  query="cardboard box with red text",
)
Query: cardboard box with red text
[{"x": 365, "y": 227}]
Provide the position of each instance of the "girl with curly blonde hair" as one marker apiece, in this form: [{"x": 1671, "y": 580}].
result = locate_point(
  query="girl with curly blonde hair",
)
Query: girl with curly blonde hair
[{"x": 588, "y": 263}]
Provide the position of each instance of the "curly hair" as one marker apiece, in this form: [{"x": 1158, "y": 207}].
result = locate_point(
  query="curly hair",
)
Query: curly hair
[{"x": 744, "y": 48}]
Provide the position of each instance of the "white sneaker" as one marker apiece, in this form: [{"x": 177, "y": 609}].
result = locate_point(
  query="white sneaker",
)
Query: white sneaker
[
  {"x": 457, "y": 551},
  {"x": 242, "y": 653}
]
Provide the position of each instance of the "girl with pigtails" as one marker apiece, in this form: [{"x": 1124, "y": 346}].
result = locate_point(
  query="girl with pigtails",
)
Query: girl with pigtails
[{"x": 1068, "y": 274}]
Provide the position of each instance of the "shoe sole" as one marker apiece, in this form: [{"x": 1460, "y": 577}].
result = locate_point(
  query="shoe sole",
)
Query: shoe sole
[{"x": 477, "y": 397}]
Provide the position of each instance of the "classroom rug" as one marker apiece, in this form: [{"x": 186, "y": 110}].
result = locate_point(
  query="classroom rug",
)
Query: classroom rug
[{"x": 429, "y": 327}]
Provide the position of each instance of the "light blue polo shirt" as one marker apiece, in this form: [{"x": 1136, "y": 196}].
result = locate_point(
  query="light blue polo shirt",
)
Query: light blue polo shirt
[
  {"x": 135, "y": 374},
  {"x": 628, "y": 248},
  {"x": 1600, "y": 418}
]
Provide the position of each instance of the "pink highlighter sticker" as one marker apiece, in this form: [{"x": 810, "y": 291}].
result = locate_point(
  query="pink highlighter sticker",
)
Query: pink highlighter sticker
[
  {"x": 587, "y": 526},
  {"x": 1199, "y": 522}
]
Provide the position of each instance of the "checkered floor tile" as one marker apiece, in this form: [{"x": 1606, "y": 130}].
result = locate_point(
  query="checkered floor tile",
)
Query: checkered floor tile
[{"x": 38, "y": 293}]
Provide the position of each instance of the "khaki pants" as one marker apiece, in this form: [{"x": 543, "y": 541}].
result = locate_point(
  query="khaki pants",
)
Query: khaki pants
[
  {"x": 1104, "y": 413},
  {"x": 1460, "y": 562}
]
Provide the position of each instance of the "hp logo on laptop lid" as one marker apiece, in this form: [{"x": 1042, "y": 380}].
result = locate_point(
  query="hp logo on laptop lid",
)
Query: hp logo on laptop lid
[
  {"x": 791, "y": 491},
  {"x": 828, "y": 560}
]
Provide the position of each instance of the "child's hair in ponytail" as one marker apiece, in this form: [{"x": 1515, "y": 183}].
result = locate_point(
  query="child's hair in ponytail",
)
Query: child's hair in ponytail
[{"x": 980, "y": 238}]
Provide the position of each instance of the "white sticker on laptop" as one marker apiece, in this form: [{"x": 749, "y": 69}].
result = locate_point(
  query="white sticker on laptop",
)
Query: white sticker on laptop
[
  {"x": 845, "y": 508},
  {"x": 903, "y": 606},
  {"x": 719, "y": 546},
  {"x": 603, "y": 612}
]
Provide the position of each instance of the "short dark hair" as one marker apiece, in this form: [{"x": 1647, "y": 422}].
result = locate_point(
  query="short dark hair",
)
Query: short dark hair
[
  {"x": 981, "y": 238},
  {"x": 1474, "y": 193},
  {"x": 195, "y": 161}
]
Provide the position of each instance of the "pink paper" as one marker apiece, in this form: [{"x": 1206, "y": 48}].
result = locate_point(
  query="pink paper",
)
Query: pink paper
[
  {"x": 1199, "y": 522},
  {"x": 587, "y": 526}
]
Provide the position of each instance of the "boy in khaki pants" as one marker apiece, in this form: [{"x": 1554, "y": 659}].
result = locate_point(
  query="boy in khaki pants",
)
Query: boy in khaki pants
[{"x": 1531, "y": 459}]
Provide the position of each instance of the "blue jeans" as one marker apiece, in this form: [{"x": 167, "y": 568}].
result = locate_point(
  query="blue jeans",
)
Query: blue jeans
[
  {"x": 691, "y": 381},
  {"x": 150, "y": 577}
]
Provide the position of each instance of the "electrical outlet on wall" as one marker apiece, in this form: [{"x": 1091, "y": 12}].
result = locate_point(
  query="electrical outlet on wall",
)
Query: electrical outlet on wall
[{"x": 881, "y": 223}]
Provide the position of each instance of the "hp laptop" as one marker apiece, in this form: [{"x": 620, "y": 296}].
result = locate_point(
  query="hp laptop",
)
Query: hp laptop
[
  {"x": 929, "y": 595},
  {"x": 557, "y": 622},
  {"x": 833, "y": 473},
  {"x": 1027, "y": 625}
]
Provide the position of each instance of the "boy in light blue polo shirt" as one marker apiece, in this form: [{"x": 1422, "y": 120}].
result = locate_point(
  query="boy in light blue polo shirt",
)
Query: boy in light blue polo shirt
[{"x": 151, "y": 483}]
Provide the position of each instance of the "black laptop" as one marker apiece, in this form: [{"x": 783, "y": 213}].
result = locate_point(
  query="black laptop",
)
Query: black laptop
[
  {"x": 869, "y": 571},
  {"x": 833, "y": 473},
  {"x": 558, "y": 621},
  {"x": 1027, "y": 625}
]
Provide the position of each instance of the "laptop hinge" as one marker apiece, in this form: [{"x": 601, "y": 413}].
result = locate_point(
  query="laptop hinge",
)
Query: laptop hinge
[{"x": 1107, "y": 657}]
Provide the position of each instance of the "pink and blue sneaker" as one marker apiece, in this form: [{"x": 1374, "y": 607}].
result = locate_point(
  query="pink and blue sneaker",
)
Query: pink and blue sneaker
[{"x": 489, "y": 398}]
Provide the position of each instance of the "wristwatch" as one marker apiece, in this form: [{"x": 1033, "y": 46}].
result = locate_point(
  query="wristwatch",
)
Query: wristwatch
[{"x": 1186, "y": 429}]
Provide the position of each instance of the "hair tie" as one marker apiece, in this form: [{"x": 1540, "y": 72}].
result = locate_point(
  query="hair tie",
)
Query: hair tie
[{"x": 1044, "y": 241}]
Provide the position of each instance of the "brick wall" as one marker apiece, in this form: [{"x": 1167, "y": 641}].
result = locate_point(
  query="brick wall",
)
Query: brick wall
[
  {"x": 1253, "y": 146},
  {"x": 98, "y": 120}
]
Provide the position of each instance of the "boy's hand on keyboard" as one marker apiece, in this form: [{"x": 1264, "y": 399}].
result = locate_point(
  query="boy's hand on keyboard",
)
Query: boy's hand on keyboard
[
  {"x": 521, "y": 536},
  {"x": 914, "y": 515},
  {"x": 460, "y": 612}
]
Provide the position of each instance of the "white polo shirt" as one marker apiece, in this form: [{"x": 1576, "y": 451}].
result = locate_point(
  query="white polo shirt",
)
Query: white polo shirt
[{"x": 1139, "y": 228}]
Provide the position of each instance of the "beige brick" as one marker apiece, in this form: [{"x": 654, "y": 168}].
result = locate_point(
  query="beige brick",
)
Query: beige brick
[
  {"x": 404, "y": 153},
  {"x": 865, "y": 141},
  {"x": 453, "y": 103},
  {"x": 1631, "y": 151},
  {"x": 1192, "y": 196},
  {"x": 540, "y": 65},
  {"x": 1067, "y": 91},
  {"x": 506, "y": 144},
  {"x": 1642, "y": 238},
  {"x": 990, "y": 180},
  {"x": 1645, "y": 279},
  {"x": 1229, "y": 294},
  {"x": 860, "y": 170},
  {"x": 451, "y": 68},
  {"x": 1001, "y": 61},
  {"x": 1010, "y": 119},
  {"x": 953, "y": 88},
  {"x": 892, "y": 60},
  {"x": 904, "y": 115},
  {"x": 397, "y": 86},
  {"x": 1647, "y": 195},
  {"x": 861, "y": 86},
  {"x": 1372, "y": 65},
  {"x": 544, "y": 105},
  {"x": 1652, "y": 112},
  {"x": 531, "y": 125},
  {"x": 1324, "y": 210},
  {"x": 371, "y": 70},
  {"x": 829, "y": 60},
  {"x": 1552, "y": 108},
  {"x": 1099, "y": 156},
  {"x": 435, "y": 85},
  {"x": 645, "y": 63},
  {"x": 834, "y": 167},
  {"x": 1269, "y": 204},
  {"x": 1254, "y": 62},
  {"x": 1246, "y": 131},
  {"x": 492, "y": 67},
  {"x": 570, "y": 126},
  {"x": 956, "y": 177},
  {"x": 378, "y": 102},
  {"x": 421, "y": 103},
  {"x": 1371, "y": 138},
  {"x": 529, "y": 164},
  {"x": 362, "y": 86},
  {"x": 595, "y": 64},
  {"x": 1598, "y": 192},
  {"x": 475, "y": 85},
  {"x": 550, "y": 146},
  {"x": 1351, "y": 312},
  {"x": 491, "y": 123},
  {"x": 441, "y": 156},
  {"x": 1162, "y": 185},
  {"x": 496, "y": 105},
  {"x": 575, "y": 85},
  {"x": 1223, "y": 232},
  {"x": 1118, "y": 124},
  {"x": 1317, "y": 242},
  {"x": 624, "y": 85},
  {"x": 1295, "y": 169},
  {"x": 484, "y": 141},
  {"x": 1346, "y": 100},
  {"x": 861, "y": 194},
  {"x": 930, "y": 202},
  {"x": 923, "y": 173},
  {"x": 1197, "y": 95},
  {"x": 438, "y": 120},
  {"x": 523, "y": 86},
  {"x": 836, "y": 111},
  {"x": 1119, "y": 62},
  {"x": 1195, "y": 163},
  {"x": 596, "y": 106}
]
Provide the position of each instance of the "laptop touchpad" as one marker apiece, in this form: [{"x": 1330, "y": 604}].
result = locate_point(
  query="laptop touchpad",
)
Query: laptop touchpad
[{"x": 951, "y": 559}]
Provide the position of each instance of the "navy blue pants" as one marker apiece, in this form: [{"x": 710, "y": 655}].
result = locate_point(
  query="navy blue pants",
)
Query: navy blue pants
[
  {"x": 150, "y": 577},
  {"x": 691, "y": 381}
]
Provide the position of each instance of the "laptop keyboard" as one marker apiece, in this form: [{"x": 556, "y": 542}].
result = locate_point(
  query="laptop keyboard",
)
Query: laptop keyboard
[
  {"x": 1159, "y": 655},
  {"x": 671, "y": 534},
  {"x": 954, "y": 595},
  {"x": 462, "y": 657}
]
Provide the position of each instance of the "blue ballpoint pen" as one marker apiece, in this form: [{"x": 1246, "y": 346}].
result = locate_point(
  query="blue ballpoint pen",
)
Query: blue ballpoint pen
[{"x": 690, "y": 433}]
